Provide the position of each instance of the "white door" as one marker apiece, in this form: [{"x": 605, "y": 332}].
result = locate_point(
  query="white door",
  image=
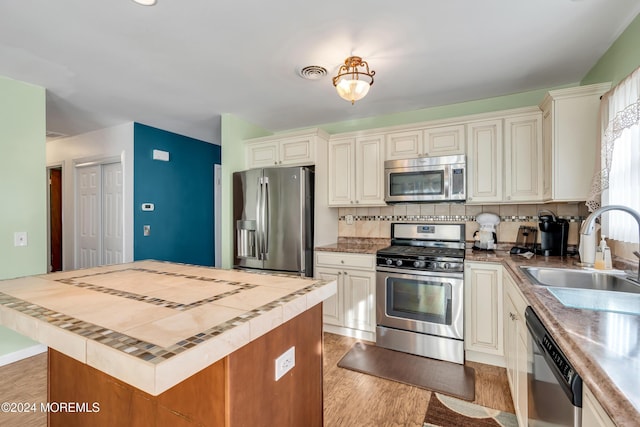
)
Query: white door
[
  {"x": 112, "y": 213},
  {"x": 100, "y": 215}
]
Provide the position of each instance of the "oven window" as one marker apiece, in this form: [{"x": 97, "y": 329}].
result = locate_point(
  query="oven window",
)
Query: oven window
[
  {"x": 422, "y": 300},
  {"x": 425, "y": 183}
]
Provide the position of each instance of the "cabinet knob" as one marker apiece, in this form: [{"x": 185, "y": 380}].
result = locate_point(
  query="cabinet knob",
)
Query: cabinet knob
[
  {"x": 280, "y": 162},
  {"x": 339, "y": 273},
  {"x": 357, "y": 201},
  {"x": 275, "y": 163},
  {"x": 345, "y": 273},
  {"x": 513, "y": 316},
  {"x": 351, "y": 201},
  {"x": 341, "y": 261},
  {"x": 508, "y": 197}
]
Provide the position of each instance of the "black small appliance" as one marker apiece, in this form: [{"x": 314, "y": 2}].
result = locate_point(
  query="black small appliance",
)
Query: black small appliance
[{"x": 553, "y": 234}]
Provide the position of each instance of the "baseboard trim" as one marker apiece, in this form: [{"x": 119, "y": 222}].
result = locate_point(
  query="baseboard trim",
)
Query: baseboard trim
[
  {"x": 24, "y": 353},
  {"x": 348, "y": 332}
]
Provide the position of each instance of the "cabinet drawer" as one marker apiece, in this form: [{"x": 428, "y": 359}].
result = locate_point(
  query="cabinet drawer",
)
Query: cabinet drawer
[{"x": 346, "y": 260}]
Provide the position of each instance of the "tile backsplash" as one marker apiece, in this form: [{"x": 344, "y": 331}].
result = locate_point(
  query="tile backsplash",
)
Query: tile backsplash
[{"x": 376, "y": 222}]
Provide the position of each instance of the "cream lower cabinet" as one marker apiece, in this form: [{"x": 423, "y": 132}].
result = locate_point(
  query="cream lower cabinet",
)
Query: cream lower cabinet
[
  {"x": 351, "y": 311},
  {"x": 593, "y": 415},
  {"x": 516, "y": 346},
  {"x": 483, "y": 336},
  {"x": 356, "y": 171}
]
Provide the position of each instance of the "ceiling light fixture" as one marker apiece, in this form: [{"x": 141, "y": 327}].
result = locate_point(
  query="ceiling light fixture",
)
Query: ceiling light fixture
[
  {"x": 354, "y": 79},
  {"x": 146, "y": 2}
]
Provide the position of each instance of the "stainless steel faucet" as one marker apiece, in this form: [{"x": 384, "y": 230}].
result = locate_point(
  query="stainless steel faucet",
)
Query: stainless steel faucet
[{"x": 588, "y": 226}]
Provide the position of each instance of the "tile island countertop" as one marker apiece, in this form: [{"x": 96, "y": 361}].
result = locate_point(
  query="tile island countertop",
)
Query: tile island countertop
[
  {"x": 153, "y": 324},
  {"x": 603, "y": 346}
]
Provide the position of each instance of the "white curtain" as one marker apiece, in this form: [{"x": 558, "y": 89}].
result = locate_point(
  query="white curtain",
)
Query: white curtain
[{"x": 618, "y": 182}]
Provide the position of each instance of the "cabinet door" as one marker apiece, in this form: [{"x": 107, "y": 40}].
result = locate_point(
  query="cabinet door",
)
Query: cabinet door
[
  {"x": 262, "y": 155},
  {"x": 483, "y": 308},
  {"x": 342, "y": 172},
  {"x": 484, "y": 161},
  {"x": 359, "y": 300},
  {"x": 444, "y": 141},
  {"x": 523, "y": 158},
  {"x": 520, "y": 401},
  {"x": 332, "y": 306},
  {"x": 547, "y": 162},
  {"x": 370, "y": 171},
  {"x": 404, "y": 145},
  {"x": 593, "y": 415},
  {"x": 297, "y": 151}
]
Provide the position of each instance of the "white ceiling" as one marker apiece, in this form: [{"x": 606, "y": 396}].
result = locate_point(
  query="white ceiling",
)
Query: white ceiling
[{"x": 180, "y": 64}]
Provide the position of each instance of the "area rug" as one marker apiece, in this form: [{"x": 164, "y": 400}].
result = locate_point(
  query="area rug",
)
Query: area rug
[
  {"x": 435, "y": 375},
  {"x": 445, "y": 411}
]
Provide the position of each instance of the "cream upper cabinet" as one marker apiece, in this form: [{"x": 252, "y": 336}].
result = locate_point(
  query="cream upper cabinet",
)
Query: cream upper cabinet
[
  {"x": 283, "y": 150},
  {"x": 483, "y": 308},
  {"x": 404, "y": 145},
  {"x": 484, "y": 161},
  {"x": 505, "y": 158},
  {"x": 356, "y": 171},
  {"x": 570, "y": 129},
  {"x": 444, "y": 141},
  {"x": 430, "y": 142},
  {"x": 523, "y": 165}
]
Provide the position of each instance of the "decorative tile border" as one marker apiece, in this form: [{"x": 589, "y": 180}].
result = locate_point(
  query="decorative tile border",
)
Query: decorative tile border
[
  {"x": 450, "y": 218},
  {"x": 143, "y": 350}
]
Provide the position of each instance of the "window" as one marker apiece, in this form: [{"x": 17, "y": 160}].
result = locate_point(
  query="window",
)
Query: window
[{"x": 619, "y": 179}]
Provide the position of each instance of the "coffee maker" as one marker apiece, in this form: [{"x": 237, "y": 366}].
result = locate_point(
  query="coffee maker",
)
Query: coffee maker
[{"x": 553, "y": 234}]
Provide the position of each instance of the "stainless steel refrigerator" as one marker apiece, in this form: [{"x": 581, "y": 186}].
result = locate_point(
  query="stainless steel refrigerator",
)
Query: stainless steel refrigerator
[{"x": 273, "y": 219}]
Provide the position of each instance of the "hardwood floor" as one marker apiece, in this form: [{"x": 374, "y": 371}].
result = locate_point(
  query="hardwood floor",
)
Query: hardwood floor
[
  {"x": 24, "y": 382},
  {"x": 351, "y": 399},
  {"x": 354, "y": 399}
]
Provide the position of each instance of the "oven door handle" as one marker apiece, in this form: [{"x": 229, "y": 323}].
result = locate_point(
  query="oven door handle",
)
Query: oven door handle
[{"x": 423, "y": 273}]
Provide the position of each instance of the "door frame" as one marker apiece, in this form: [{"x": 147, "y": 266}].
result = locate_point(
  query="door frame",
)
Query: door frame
[{"x": 60, "y": 166}]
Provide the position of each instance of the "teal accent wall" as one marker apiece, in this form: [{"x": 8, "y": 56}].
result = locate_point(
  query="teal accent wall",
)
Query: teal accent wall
[
  {"x": 23, "y": 188},
  {"x": 622, "y": 58},
  {"x": 182, "y": 190}
]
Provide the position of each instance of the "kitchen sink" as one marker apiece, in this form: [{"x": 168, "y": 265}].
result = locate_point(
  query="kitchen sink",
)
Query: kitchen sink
[
  {"x": 590, "y": 290},
  {"x": 580, "y": 279}
]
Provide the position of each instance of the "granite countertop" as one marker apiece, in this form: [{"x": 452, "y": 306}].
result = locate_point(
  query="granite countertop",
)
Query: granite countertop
[
  {"x": 356, "y": 245},
  {"x": 604, "y": 347},
  {"x": 153, "y": 324}
]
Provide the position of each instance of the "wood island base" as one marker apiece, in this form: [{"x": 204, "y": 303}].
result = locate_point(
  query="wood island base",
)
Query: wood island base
[{"x": 238, "y": 390}]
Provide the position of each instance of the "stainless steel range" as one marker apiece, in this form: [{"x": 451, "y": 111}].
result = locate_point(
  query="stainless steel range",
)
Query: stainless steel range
[{"x": 419, "y": 291}]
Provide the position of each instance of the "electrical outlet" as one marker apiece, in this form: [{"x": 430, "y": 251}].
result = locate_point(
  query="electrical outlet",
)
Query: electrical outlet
[
  {"x": 20, "y": 238},
  {"x": 146, "y": 230},
  {"x": 285, "y": 362},
  {"x": 349, "y": 219}
]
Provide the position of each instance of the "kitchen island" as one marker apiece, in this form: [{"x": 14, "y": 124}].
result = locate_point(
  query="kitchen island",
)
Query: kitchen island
[{"x": 156, "y": 343}]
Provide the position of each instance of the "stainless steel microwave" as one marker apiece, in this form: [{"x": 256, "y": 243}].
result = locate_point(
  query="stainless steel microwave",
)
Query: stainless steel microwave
[{"x": 425, "y": 179}]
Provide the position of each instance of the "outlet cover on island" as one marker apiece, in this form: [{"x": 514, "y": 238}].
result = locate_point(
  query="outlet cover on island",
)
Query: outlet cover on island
[{"x": 285, "y": 362}]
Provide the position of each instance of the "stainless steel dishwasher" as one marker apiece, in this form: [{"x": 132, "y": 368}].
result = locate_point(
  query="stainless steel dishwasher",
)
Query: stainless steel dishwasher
[{"x": 554, "y": 388}]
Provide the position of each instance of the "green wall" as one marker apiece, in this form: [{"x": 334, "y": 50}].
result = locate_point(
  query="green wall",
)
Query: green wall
[
  {"x": 233, "y": 131},
  {"x": 620, "y": 60},
  {"x": 22, "y": 187}
]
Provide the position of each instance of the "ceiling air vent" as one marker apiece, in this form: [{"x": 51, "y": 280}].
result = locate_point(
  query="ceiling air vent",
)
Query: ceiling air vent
[
  {"x": 313, "y": 72},
  {"x": 54, "y": 135}
]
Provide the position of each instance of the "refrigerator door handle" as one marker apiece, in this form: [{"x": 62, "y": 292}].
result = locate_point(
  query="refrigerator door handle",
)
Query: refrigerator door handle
[
  {"x": 266, "y": 219},
  {"x": 259, "y": 220}
]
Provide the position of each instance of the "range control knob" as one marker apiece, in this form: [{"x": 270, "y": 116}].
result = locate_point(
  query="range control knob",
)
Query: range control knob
[
  {"x": 389, "y": 261},
  {"x": 419, "y": 264},
  {"x": 446, "y": 266},
  {"x": 399, "y": 262}
]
